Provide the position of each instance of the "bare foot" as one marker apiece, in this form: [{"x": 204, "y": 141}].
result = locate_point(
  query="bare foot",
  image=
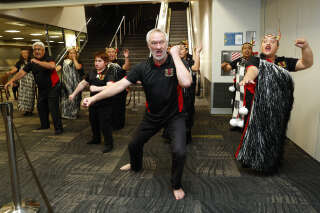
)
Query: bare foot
[
  {"x": 126, "y": 167},
  {"x": 178, "y": 194}
]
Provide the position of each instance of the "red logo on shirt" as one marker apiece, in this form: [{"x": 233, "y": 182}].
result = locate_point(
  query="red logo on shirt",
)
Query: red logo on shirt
[{"x": 168, "y": 72}]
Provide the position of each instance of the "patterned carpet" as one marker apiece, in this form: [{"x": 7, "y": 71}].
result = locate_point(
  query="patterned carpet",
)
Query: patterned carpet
[{"x": 78, "y": 178}]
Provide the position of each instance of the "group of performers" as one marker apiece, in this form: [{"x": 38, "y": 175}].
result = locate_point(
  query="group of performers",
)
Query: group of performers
[
  {"x": 268, "y": 99},
  {"x": 168, "y": 81}
]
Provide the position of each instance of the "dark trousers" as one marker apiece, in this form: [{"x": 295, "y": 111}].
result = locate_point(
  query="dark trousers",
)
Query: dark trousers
[
  {"x": 176, "y": 127},
  {"x": 48, "y": 101},
  {"x": 100, "y": 121},
  {"x": 119, "y": 110},
  {"x": 15, "y": 91},
  {"x": 248, "y": 98}
]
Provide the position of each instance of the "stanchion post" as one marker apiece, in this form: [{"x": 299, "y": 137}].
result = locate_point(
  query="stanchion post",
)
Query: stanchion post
[{"x": 7, "y": 114}]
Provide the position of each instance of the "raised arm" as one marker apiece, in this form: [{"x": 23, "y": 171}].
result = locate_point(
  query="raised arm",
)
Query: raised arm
[
  {"x": 183, "y": 75},
  {"x": 16, "y": 77},
  {"x": 306, "y": 60},
  {"x": 109, "y": 91},
  {"x": 196, "y": 57},
  {"x": 126, "y": 65}
]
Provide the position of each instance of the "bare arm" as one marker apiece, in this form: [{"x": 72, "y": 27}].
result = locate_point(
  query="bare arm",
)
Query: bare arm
[
  {"x": 196, "y": 58},
  {"x": 250, "y": 76},
  {"x": 109, "y": 91},
  {"x": 226, "y": 67},
  {"x": 51, "y": 65},
  {"x": 183, "y": 75},
  {"x": 12, "y": 71},
  {"x": 16, "y": 77},
  {"x": 83, "y": 84},
  {"x": 306, "y": 60},
  {"x": 126, "y": 65}
]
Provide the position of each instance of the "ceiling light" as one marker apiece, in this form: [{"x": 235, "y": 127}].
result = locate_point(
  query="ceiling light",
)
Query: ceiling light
[
  {"x": 60, "y": 42},
  {"x": 81, "y": 40},
  {"x": 18, "y": 38},
  {"x": 36, "y": 34},
  {"x": 51, "y": 41},
  {"x": 12, "y": 31},
  {"x": 1, "y": 36},
  {"x": 35, "y": 40},
  {"x": 16, "y": 23},
  {"x": 54, "y": 36}
]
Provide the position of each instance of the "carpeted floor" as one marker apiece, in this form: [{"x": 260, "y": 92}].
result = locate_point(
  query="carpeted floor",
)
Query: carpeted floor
[{"x": 78, "y": 178}]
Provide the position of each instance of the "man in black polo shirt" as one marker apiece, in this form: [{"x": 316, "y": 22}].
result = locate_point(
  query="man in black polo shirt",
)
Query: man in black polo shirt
[
  {"x": 163, "y": 76},
  {"x": 47, "y": 80}
]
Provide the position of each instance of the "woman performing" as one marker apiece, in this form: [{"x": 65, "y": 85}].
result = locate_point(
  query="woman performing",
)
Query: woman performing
[
  {"x": 70, "y": 78},
  {"x": 26, "y": 93},
  {"x": 269, "y": 101}
]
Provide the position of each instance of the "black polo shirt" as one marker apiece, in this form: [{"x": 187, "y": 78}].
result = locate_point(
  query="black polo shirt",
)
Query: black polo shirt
[
  {"x": 44, "y": 78},
  {"x": 93, "y": 78},
  {"x": 160, "y": 83},
  {"x": 284, "y": 62}
]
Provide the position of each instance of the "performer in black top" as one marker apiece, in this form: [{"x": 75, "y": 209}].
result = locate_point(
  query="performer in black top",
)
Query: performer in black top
[
  {"x": 47, "y": 79},
  {"x": 269, "y": 99},
  {"x": 163, "y": 76},
  {"x": 101, "y": 111},
  {"x": 119, "y": 100},
  {"x": 246, "y": 51}
]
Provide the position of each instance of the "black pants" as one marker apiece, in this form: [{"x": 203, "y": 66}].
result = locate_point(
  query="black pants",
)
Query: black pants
[
  {"x": 176, "y": 127},
  {"x": 15, "y": 91},
  {"x": 100, "y": 121},
  {"x": 119, "y": 110},
  {"x": 48, "y": 101},
  {"x": 248, "y": 98}
]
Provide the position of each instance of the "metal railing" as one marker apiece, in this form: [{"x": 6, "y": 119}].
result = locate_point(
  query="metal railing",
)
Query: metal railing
[
  {"x": 125, "y": 27},
  {"x": 64, "y": 51}
]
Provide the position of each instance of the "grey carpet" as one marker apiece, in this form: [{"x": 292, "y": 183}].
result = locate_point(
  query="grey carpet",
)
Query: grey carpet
[{"x": 78, "y": 178}]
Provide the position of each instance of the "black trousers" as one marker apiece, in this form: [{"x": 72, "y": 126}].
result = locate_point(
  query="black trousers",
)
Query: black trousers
[
  {"x": 48, "y": 101},
  {"x": 119, "y": 110},
  {"x": 176, "y": 127},
  {"x": 100, "y": 121}
]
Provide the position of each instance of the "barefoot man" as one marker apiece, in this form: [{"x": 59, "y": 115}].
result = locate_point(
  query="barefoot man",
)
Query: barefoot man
[{"x": 163, "y": 76}]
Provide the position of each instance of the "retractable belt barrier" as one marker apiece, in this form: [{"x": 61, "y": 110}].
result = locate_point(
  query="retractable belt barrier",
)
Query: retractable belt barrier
[{"x": 18, "y": 205}]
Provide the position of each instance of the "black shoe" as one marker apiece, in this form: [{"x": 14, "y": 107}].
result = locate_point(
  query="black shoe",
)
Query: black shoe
[
  {"x": 42, "y": 128},
  {"x": 58, "y": 131},
  {"x": 28, "y": 114},
  {"x": 93, "y": 142},
  {"x": 108, "y": 148}
]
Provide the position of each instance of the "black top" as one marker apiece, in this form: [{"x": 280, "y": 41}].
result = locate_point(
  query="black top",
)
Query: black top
[
  {"x": 42, "y": 76},
  {"x": 20, "y": 64},
  {"x": 286, "y": 63},
  {"x": 160, "y": 83},
  {"x": 121, "y": 62},
  {"x": 93, "y": 78},
  {"x": 234, "y": 63}
]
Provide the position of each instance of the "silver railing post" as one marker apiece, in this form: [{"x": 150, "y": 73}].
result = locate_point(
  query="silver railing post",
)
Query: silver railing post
[{"x": 17, "y": 207}]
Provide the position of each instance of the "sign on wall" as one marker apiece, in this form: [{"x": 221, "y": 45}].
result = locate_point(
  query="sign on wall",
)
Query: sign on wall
[{"x": 233, "y": 38}]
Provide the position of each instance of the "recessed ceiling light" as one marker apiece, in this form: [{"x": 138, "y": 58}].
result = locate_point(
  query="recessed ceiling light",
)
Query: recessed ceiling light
[
  {"x": 81, "y": 40},
  {"x": 60, "y": 42},
  {"x": 36, "y": 34},
  {"x": 54, "y": 36},
  {"x": 18, "y": 38},
  {"x": 12, "y": 31},
  {"x": 1, "y": 36},
  {"x": 16, "y": 23},
  {"x": 51, "y": 41},
  {"x": 35, "y": 40}
]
